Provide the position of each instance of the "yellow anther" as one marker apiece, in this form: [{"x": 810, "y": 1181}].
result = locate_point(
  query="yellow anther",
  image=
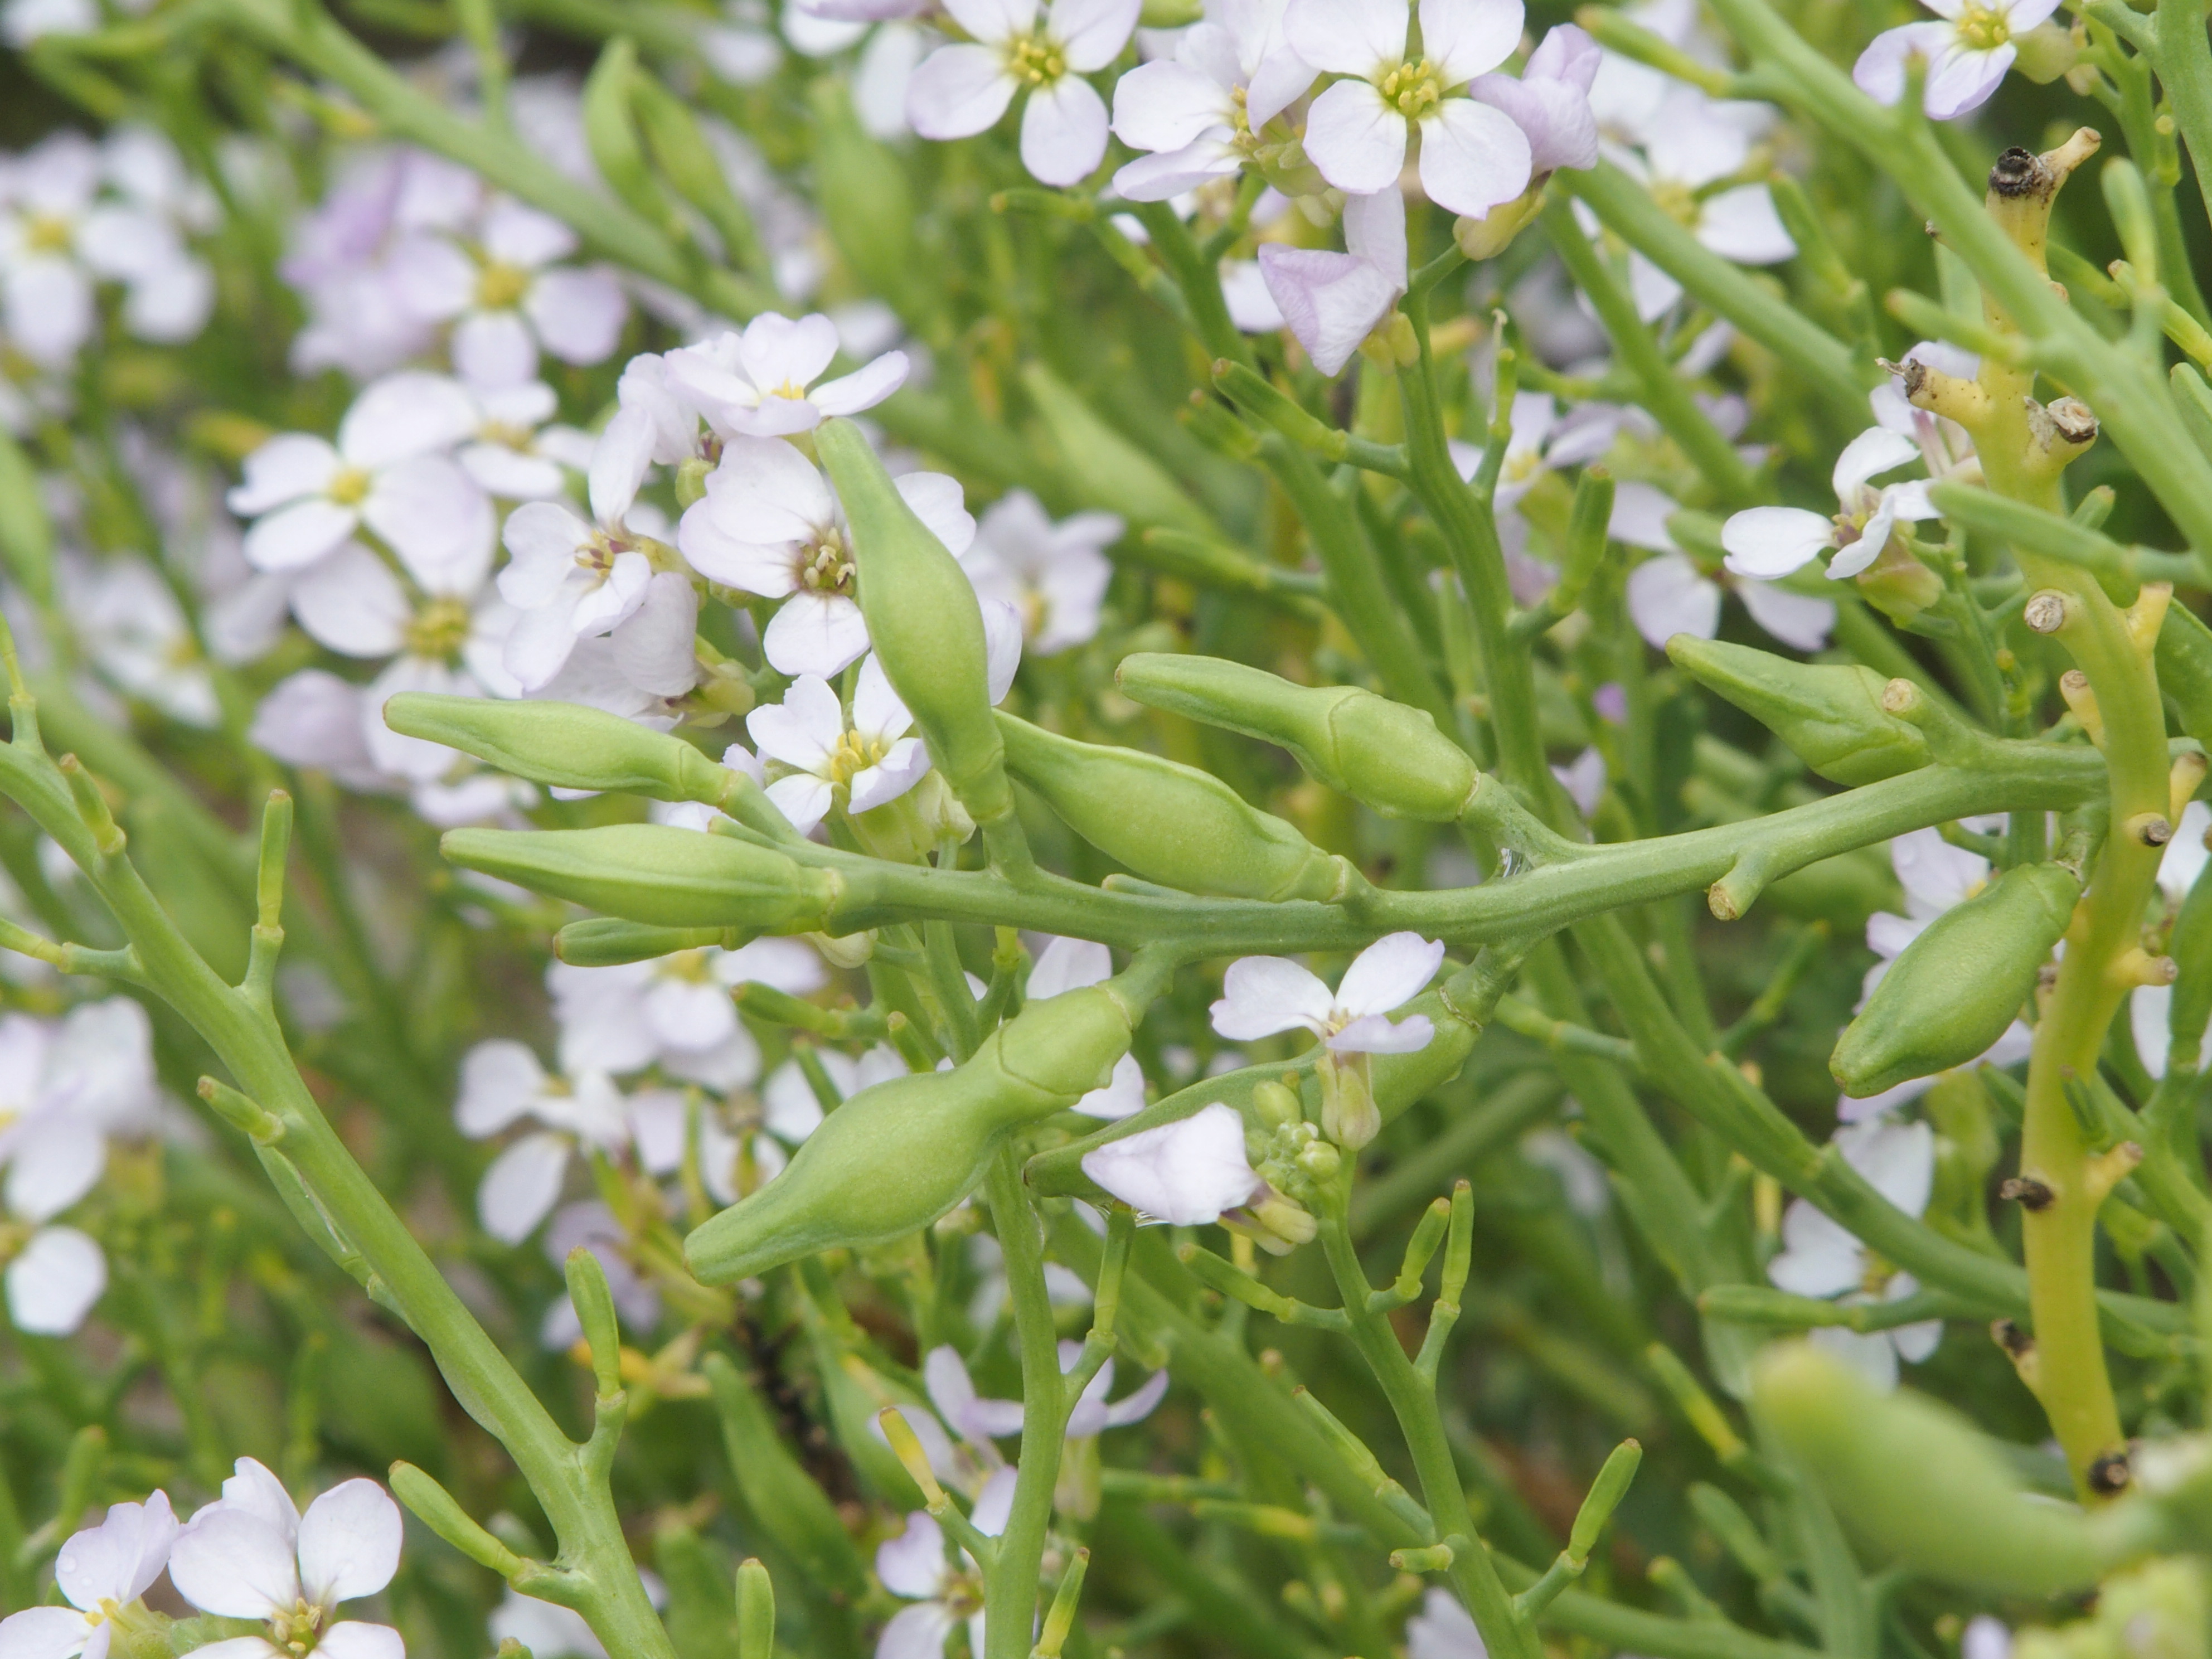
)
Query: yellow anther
[{"x": 349, "y": 485}]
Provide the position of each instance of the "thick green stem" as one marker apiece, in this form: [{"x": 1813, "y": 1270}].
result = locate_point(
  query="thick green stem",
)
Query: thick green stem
[{"x": 1010, "y": 1590}]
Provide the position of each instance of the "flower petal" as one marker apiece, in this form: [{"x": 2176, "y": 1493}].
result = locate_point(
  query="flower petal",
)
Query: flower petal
[
  {"x": 1767, "y": 542},
  {"x": 348, "y": 1543},
  {"x": 1388, "y": 973},
  {"x": 1261, "y": 996},
  {"x": 1064, "y": 131},
  {"x": 234, "y": 1563},
  {"x": 1667, "y": 596},
  {"x": 1358, "y": 142},
  {"x": 1464, "y": 38},
  {"x": 522, "y": 1185},
  {"x": 1349, "y": 37},
  {"x": 54, "y": 1282}
]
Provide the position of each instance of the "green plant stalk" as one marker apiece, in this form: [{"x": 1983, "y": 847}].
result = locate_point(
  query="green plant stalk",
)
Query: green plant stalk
[
  {"x": 1665, "y": 396},
  {"x": 1627, "y": 209},
  {"x": 1413, "y": 1402},
  {"x": 1010, "y": 1587},
  {"x": 600, "y": 1579},
  {"x": 2183, "y": 59},
  {"x": 2130, "y": 395}
]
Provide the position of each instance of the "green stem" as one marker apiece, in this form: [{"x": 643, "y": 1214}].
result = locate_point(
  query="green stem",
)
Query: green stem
[{"x": 1009, "y": 1589}]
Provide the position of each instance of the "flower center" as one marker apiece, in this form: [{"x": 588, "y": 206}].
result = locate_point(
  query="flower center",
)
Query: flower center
[
  {"x": 46, "y": 233},
  {"x": 1982, "y": 28},
  {"x": 1037, "y": 59},
  {"x": 439, "y": 629},
  {"x": 823, "y": 567},
  {"x": 598, "y": 554},
  {"x": 500, "y": 286},
  {"x": 1677, "y": 201},
  {"x": 349, "y": 485},
  {"x": 791, "y": 389},
  {"x": 856, "y": 751},
  {"x": 506, "y": 434},
  {"x": 294, "y": 1632},
  {"x": 1413, "y": 89},
  {"x": 99, "y": 1615},
  {"x": 689, "y": 966}
]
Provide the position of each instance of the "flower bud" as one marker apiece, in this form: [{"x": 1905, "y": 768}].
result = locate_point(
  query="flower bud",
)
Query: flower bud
[
  {"x": 564, "y": 745},
  {"x": 609, "y": 941},
  {"x": 1168, "y": 822},
  {"x": 653, "y": 873},
  {"x": 1915, "y": 1479},
  {"x": 1488, "y": 237},
  {"x": 895, "y": 1157},
  {"x": 924, "y": 620},
  {"x": 1381, "y": 752},
  {"x": 1832, "y": 717},
  {"x": 1951, "y": 992},
  {"x": 1277, "y": 1105}
]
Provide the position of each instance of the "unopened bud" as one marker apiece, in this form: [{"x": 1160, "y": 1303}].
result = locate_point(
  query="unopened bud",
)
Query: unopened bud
[
  {"x": 565, "y": 746},
  {"x": 653, "y": 873},
  {"x": 1276, "y": 1105},
  {"x": 1286, "y": 1220},
  {"x": 1842, "y": 722},
  {"x": 1488, "y": 237}
]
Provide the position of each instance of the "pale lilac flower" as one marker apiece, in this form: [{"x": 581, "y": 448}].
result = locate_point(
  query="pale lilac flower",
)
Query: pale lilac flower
[
  {"x": 1934, "y": 875},
  {"x": 55, "y": 1279},
  {"x": 946, "y": 1598},
  {"x": 675, "y": 1010},
  {"x": 871, "y": 759},
  {"x": 757, "y": 384},
  {"x": 1069, "y": 964},
  {"x": 572, "y": 580},
  {"x": 952, "y": 1391},
  {"x": 960, "y": 90},
  {"x": 1055, "y": 575},
  {"x": 502, "y": 1084},
  {"x": 1549, "y": 100},
  {"x": 1333, "y": 301},
  {"x": 318, "y": 722},
  {"x": 1966, "y": 53},
  {"x": 1773, "y": 541},
  {"x": 1244, "y": 291},
  {"x": 1584, "y": 779},
  {"x": 769, "y": 524},
  {"x": 253, "y": 1555},
  {"x": 507, "y": 297},
  {"x": 2150, "y": 1006},
  {"x": 1474, "y": 156},
  {"x": 1443, "y": 1629},
  {"x": 53, "y": 1148},
  {"x": 1185, "y": 1173},
  {"x": 1669, "y": 595},
  {"x": 26, "y": 21},
  {"x": 1198, "y": 109},
  {"x": 384, "y": 474},
  {"x": 100, "y": 1571},
  {"x": 1821, "y": 1258},
  {"x": 1262, "y": 995},
  {"x": 641, "y": 667},
  {"x": 131, "y": 627}
]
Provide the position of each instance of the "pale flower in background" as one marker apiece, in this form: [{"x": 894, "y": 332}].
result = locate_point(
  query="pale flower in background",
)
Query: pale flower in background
[
  {"x": 1053, "y": 574},
  {"x": 2150, "y": 1006},
  {"x": 1333, "y": 301},
  {"x": 914, "y": 1567},
  {"x": 760, "y": 383},
  {"x": 1670, "y": 595},
  {"x": 502, "y": 1084}
]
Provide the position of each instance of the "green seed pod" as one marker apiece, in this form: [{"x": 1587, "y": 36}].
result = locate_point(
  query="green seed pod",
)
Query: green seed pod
[
  {"x": 609, "y": 941},
  {"x": 1832, "y": 717},
  {"x": 27, "y": 534},
  {"x": 654, "y": 873},
  {"x": 612, "y": 133},
  {"x": 688, "y": 163},
  {"x": 1917, "y": 1480},
  {"x": 1168, "y": 823},
  {"x": 896, "y": 1157},
  {"x": 565, "y": 746},
  {"x": 868, "y": 205},
  {"x": 782, "y": 1500},
  {"x": 1381, "y": 752},
  {"x": 924, "y": 621},
  {"x": 1951, "y": 992}
]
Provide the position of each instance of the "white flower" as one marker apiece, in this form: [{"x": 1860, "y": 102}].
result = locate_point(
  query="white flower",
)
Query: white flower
[
  {"x": 757, "y": 384},
  {"x": 131, "y": 625},
  {"x": 502, "y": 1083},
  {"x": 1261, "y": 996},
  {"x": 1184, "y": 1173},
  {"x": 675, "y": 1010},
  {"x": 509, "y": 456},
  {"x": 952, "y": 1391},
  {"x": 871, "y": 759},
  {"x": 1584, "y": 781},
  {"x": 59, "y": 237},
  {"x": 1670, "y": 595},
  {"x": 100, "y": 1571},
  {"x": 1473, "y": 156},
  {"x": 768, "y": 524},
  {"x": 2150, "y": 1006},
  {"x": 315, "y": 720},
  {"x": 1690, "y": 144},
  {"x": 307, "y": 496},
  {"x": 55, "y": 1280},
  {"x": 1198, "y": 109},
  {"x": 640, "y": 668},
  {"x": 1773, "y": 541},
  {"x": 1069, "y": 964},
  {"x": 1333, "y": 301},
  {"x": 253, "y": 1555},
  {"x": 1821, "y": 1258},
  {"x": 1934, "y": 876},
  {"x": 1053, "y": 574},
  {"x": 572, "y": 580},
  {"x": 505, "y": 297},
  {"x": 1966, "y": 54},
  {"x": 945, "y": 1597},
  {"x": 960, "y": 90}
]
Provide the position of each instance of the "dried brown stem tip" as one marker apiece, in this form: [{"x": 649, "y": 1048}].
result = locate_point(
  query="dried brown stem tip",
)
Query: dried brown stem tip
[
  {"x": 2027, "y": 1192},
  {"x": 2109, "y": 1474},
  {"x": 2046, "y": 612},
  {"x": 2007, "y": 1335}
]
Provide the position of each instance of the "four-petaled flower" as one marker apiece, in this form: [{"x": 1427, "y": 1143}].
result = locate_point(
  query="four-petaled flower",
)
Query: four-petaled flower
[
  {"x": 1185, "y": 1173},
  {"x": 760, "y": 383},
  {"x": 502, "y": 1083},
  {"x": 1197, "y": 111},
  {"x": 251, "y": 1554},
  {"x": 1474, "y": 156},
  {"x": 1055, "y": 575},
  {"x": 1967, "y": 53},
  {"x": 914, "y": 1565},
  {"x": 1773, "y": 541},
  {"x": 101, "y": 1571},
  {"x": 869, "y": 756},
  {"x": 960, "y": 90}
]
